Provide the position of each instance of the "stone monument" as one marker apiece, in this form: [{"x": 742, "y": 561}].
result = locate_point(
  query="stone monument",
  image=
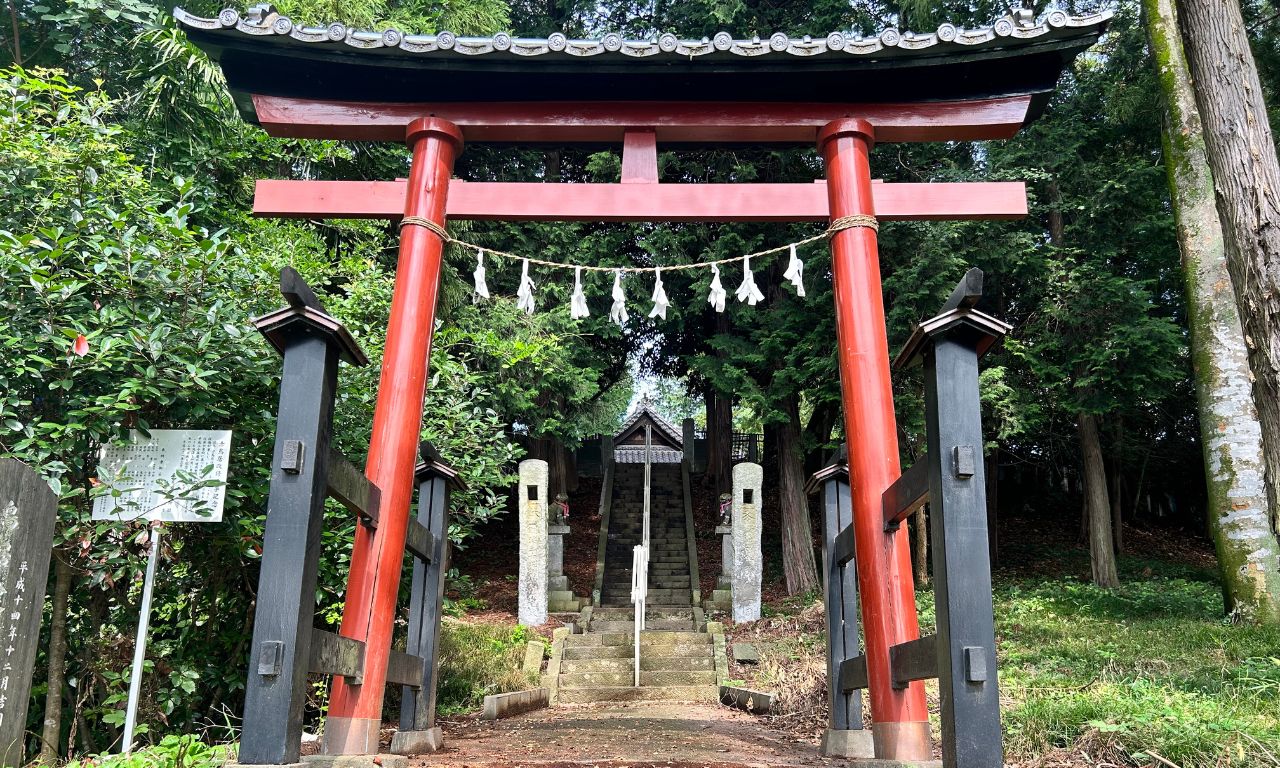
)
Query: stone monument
[
  {"x": 722, "y": 595},
  {"x": 534, "y": 529},
  {"x": 748, "y": 479},
  {"x": 28, "y": 512},
  {"x": 560, "y": 598}
]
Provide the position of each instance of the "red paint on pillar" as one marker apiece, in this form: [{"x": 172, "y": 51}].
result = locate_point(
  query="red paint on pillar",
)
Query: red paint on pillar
[
  {"x": 355, "y": 712},
  {"x": 899, "y": 716}
]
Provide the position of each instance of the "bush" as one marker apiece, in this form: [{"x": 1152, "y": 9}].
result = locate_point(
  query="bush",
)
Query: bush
[
  {"x": 477, "y": 660},
  {"x": 171, "y": 752}
]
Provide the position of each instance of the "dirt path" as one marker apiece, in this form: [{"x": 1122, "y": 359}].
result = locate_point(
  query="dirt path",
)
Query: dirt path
[{"x": 637, "y": 735}]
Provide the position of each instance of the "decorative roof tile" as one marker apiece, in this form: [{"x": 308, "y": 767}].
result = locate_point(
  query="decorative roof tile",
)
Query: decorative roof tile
[{"x": 264, "y": 20}]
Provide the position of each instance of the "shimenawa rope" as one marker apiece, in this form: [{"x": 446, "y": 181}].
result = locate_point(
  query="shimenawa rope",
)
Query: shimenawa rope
[{"x": 837, "y": 225}]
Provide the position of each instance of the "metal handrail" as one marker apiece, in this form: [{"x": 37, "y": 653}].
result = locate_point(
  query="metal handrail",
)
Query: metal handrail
[{"x": 640, "y": 556}]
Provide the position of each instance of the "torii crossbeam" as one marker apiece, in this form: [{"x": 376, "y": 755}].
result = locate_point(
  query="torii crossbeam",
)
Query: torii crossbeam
[{"x": 841, "y": 93}]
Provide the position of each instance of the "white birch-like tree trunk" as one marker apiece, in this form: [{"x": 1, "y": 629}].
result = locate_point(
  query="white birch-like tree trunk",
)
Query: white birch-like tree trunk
[
  {"x": 1230, "y": 433},
  {"x": 1246, "y": 182}
]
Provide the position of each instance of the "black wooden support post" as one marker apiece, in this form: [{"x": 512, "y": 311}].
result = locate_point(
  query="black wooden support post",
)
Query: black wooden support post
[
  {"x": 312, "y": 342},
  {"x": 418, "y": 733},
  {"x": 845, "y": 736},
  {"x": 949, "y": 345}
]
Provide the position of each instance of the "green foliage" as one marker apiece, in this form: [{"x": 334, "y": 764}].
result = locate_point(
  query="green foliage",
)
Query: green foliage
[
  {"x": 171, "y": 752},
  {"x": 463, "y": 17},
  {"x": 477, "y": 660},
  {"x": 1150, "y": 667},
  {"x": 127, "y": 296}
]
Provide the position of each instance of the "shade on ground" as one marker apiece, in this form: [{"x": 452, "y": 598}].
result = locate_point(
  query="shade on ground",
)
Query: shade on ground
[{"x": 634, "y": 735}]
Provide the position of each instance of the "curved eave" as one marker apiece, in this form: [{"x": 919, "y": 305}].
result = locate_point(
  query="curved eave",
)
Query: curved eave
[{"x": 265, "y": 54}]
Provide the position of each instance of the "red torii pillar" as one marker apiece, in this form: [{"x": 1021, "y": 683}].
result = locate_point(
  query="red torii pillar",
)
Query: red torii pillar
[
  {"x": 900, "y": 717},
  {"x": 355, "y": 712}
]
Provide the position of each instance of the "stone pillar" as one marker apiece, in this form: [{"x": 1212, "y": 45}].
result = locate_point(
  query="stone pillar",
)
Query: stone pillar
[
  {"x": 722, "y": 595},
  {"x": 748, "y": 480},
  {"x": 555, "y": 557},
  {"x": 532, "y": 495},
  {"x": 725, "y": 579},
  {"x": 560, "y": 598}
]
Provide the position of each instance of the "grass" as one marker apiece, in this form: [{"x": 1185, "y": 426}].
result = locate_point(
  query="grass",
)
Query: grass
[
  {"x": 1148, "y": 669},
  {"x": 477, "y": 660},
  {"x": 1149, "y": 674}
]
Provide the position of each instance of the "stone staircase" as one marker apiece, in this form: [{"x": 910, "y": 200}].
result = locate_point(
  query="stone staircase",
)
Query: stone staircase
[
  {"x": 669, "y": 583},
  {"x": 674, "y": 666},
  {"x": 680, "y": 659}
]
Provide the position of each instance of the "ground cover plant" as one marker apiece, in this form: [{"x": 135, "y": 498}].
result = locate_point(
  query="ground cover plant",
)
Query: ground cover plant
[
  {"x": 1133, "y": 676},
  {"x": 479, "y": 659}
]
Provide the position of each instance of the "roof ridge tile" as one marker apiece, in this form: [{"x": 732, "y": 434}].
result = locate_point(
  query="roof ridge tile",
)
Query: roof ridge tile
[{"x": 264, "y": 19}]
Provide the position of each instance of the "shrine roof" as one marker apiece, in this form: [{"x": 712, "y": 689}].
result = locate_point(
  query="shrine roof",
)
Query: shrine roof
[
  {"x": 645, "y": 413},
  {"x": 262, "y": 52}
]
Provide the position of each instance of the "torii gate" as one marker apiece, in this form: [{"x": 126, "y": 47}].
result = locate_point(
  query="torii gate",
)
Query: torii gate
[{"x": 842, "y": 93}]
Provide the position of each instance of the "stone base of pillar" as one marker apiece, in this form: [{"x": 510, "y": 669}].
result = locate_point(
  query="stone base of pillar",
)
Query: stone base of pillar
[
  {"x": 858, "y": 762},
  {"x": 855, "y": 744},
  {"x": 416, "y": 742},
  {"x": 355, "y": 761},
  {"x": 720, "y": 600},
  {"x": 564, "y": 601}
]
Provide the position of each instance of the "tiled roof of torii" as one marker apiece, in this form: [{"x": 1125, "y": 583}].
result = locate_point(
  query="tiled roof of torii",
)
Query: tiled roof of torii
[
  {"x": 265, "y": 53},
  {"x": 263, "y": 20}
]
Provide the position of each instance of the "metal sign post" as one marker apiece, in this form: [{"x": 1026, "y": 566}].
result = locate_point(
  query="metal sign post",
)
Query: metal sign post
[
  {"x": 140, "y": 641},
  {"x": 148, "y": 473}
]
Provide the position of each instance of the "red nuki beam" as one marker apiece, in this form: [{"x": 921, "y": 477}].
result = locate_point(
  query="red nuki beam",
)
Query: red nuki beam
[
  {"x": 505, "y": 201},
  {"x": 672, "y": 121}
]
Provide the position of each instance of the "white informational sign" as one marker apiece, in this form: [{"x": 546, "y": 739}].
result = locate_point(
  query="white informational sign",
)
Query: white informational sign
[{"x": 178, "y": 475}]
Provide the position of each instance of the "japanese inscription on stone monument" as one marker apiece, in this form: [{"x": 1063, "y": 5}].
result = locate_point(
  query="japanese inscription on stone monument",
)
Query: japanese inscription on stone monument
[{"x": 28, "y": 511}]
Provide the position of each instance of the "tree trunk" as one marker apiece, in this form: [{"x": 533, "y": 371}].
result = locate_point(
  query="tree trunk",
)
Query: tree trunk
[
  {"x": 1246, "y": 176},
  {"x": 817, "y": 434},
  {"x": 797, "y": 531},
  {"x": 1117, "y": 486},
  {"x": 920, "y": 561},
  {"x": 571, "y": 469},
  {"x": 1102, "y": 557},
  {"x": 1230, "y": 433},
  {"x": 719, "y": 441},
  {"x": 52, "y": 729}
]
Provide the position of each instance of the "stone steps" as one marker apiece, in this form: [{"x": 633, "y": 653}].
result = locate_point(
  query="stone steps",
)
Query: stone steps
[
  {"x": 651, "y": 693},
  {"x": 660, "y": 678},
  {"x": 678, "y": 625},
  {"x": 679, "y": 651},
  {"x": 700, "y": 663},
  {"x": 676, "y": 662},
  {"x": 647, "y": 638}
]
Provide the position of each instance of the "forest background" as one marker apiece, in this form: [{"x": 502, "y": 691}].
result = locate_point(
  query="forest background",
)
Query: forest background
[{"x": 130, "y": 268}]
